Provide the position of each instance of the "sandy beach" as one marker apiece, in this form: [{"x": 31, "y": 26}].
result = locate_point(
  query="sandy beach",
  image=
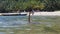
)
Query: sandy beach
[{"x": 56, "y": 13}]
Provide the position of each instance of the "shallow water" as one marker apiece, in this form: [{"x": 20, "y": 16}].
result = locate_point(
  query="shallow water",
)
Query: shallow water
[
  {"x": 2, "y": 32},
  {"x": 19, "y": 24}
]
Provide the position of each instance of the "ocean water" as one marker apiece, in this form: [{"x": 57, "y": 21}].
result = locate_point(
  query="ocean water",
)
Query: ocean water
[
  {"x": 14, "y": 24},
  {"x": 12, "y": 20},
  {"x": 18, "y": 21}
]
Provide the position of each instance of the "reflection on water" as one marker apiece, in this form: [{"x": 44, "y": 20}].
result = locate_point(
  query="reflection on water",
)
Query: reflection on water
[{"x": 19, "y": 24}]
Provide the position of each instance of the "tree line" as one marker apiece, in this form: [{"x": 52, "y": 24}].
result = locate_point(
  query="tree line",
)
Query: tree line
[{"x": 28, "y": 5}]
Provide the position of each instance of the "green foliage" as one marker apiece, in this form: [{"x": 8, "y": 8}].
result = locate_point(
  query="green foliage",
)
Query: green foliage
[
  {"x": 52, "y": 5},
  {"x": 34, "y": 4}
]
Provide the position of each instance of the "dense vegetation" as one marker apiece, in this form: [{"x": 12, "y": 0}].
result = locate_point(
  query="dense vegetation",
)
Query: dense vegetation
[{"x": 45, "y": 5}]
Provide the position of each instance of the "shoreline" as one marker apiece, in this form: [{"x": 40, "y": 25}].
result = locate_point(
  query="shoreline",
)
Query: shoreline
[
  {"x": 46, "y": 14},
  {"x": 35, "y": 13}
]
